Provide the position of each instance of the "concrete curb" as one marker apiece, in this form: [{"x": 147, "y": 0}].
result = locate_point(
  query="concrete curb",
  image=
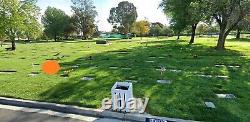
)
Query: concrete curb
[{"x": 83, "y": 111}]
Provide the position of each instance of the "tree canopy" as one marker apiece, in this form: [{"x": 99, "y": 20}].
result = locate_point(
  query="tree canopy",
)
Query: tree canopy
[
  {"x": 184, "y": 14},
  {"x": 141, "y": 27},
  {"x": 54, "y": 22},
  {"x": 15, "y": 16},
  {"x": 84, "y": 14},
  {"x": 227, "y": 13},
  {"x": 123, "y": 16}
]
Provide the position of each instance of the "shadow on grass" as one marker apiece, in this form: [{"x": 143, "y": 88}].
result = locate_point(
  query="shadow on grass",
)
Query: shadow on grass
[
  {"x": 184, "y": 98},
  {"x": 240, "y": 40}
]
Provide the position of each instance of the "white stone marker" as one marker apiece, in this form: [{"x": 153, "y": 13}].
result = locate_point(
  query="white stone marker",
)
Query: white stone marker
[
  {"x": 226, "y": 96},
  {"x": 210, "y": 104},
  {"x": 87, "y": 78},
  {"x": 164, "y": 81}
]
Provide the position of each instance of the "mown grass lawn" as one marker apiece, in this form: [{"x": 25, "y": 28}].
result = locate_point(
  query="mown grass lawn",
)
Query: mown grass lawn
[{"x": 183, "y": 98}]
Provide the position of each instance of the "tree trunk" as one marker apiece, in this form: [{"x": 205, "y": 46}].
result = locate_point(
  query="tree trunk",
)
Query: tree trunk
[
  {"x": 178, "y": 35},
  {"x": 55, "y": 38},
  {"x": 222, "y": 38},
  {"x": 193, "y": 33},
  {"x": 238, "y": 34},
  {"x": 13, "y": 45}
]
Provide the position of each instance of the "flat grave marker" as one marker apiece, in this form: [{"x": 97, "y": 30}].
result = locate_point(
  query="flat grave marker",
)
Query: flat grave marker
[
  {"x": 233, "y": 66},
  {"x": 226, "y": 96},
  {"x": 211, "y": 76},
  {"x": 131, "y": 81},
  {"x": 175, "y": 70},
  {"x": 33, "y": 74},
  {"x": 7, "y": 71},
  {"x": 210, "y": 105},
  {"x": 164, "y": 81},
  {"x": 113, "y": 67},
  {"x": 126, "y": 68},
  {"x": 161, "y": 57},
  {"x": 85, "y": 78},
  {"x": 149, "y": 61}
]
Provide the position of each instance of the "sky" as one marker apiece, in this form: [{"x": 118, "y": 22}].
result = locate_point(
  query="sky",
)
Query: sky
[{"x": 146, "y": 9}]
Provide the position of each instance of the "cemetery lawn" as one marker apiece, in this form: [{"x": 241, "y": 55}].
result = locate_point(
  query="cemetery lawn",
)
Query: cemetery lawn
[{"x": 191, "y": 69}]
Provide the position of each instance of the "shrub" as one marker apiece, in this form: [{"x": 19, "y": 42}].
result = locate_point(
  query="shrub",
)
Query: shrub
[{"x": 101, "y": 42}]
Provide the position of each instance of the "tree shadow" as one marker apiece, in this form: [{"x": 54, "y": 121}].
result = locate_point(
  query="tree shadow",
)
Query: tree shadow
[
  {"x": 183, "y": 98},
  {"x": 239, "y": 40}
]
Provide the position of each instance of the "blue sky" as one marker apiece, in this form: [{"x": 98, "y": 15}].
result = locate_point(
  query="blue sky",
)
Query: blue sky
[{"x": 146, "y": 9}]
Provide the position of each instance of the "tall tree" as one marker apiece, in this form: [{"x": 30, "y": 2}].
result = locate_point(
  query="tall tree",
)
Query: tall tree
[
  {"x": 243, "y": 25},
  {"x": 123, "y": 16},
  {"x": 155, "y": 29},
  {"x": 70, "y": 28},
  {"x": 14, "y": 17},
  {"x": 54, "y": 22},
  {"x": 227, "y": 13},
  {"x": 183, "y": 14},
  {"x": 84, "y": 16},
  {"x": 33, "y": 29},
  {"x": 14, "y": 14},
  {"x": 141, "y": 27}
]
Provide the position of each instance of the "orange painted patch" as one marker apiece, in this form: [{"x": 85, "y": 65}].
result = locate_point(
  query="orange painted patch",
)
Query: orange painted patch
[{"x": 50, "y": 67}]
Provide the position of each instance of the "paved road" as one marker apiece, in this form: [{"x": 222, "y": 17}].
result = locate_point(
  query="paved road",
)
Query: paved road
[{"x": 19, "y": 114}]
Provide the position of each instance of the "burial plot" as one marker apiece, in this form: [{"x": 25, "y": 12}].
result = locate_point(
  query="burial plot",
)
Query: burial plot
[
  {"x": 126, "y": 68},
  {"x": 52, "y": 59},
  {"x": 7, "y": 71},
  {"x": 33, "y": 74},
  {"x": 222, "y": 76},
  {"x": 161, "y": 57},
  {"x": 164, "y": 81},
  {"x": 87, "y": 78},
  {"x": 75, "y": 66},
  {"x": 149, "y": 61},
  {"x": 233, "y": 66},
  {"x": 113, "y": 67},
  {"x": 210, "y": 105},
  {"x": 33, "y": 65},
  {"x": 175, "y": 70},
  {"x": 211, "y": 76},
  {"x": 131, "y": 81},
  {"x": 226, "y": 96},
  {"x": 219, "y": 65},
  {"x": 65, "y": 75},
  {"x": 152, "y": 57}
]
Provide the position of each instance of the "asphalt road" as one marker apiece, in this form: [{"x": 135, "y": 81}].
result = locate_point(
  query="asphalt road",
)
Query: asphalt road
[{"x": 8, "y": 114}]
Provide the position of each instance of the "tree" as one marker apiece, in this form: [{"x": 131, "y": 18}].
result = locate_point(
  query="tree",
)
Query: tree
[
  {"x": 202, "y": 28},
  {"x": 183, "y": 14},
  {"x": 155, "y": 29},
  {"x": 84, "y": 17},
  {"x": 54, "y": 22},
  {"x": 141, "y": 27},
  {"x": 123, "y": 16},
  {"x": 69, "y": 27},
  {"x": 243, "y": 25},
  {"x": 33, "y": 28},
  {"x": 227, "y": 13},
  {"x": 13, "y": 15}
]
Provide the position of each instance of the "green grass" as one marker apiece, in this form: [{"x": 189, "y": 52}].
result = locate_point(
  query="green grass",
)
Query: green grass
[{"x": 184, "y": 98}]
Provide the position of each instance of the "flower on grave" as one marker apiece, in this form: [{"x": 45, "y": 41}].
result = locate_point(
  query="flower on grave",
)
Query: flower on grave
[{"x": 163, "y": 69}]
